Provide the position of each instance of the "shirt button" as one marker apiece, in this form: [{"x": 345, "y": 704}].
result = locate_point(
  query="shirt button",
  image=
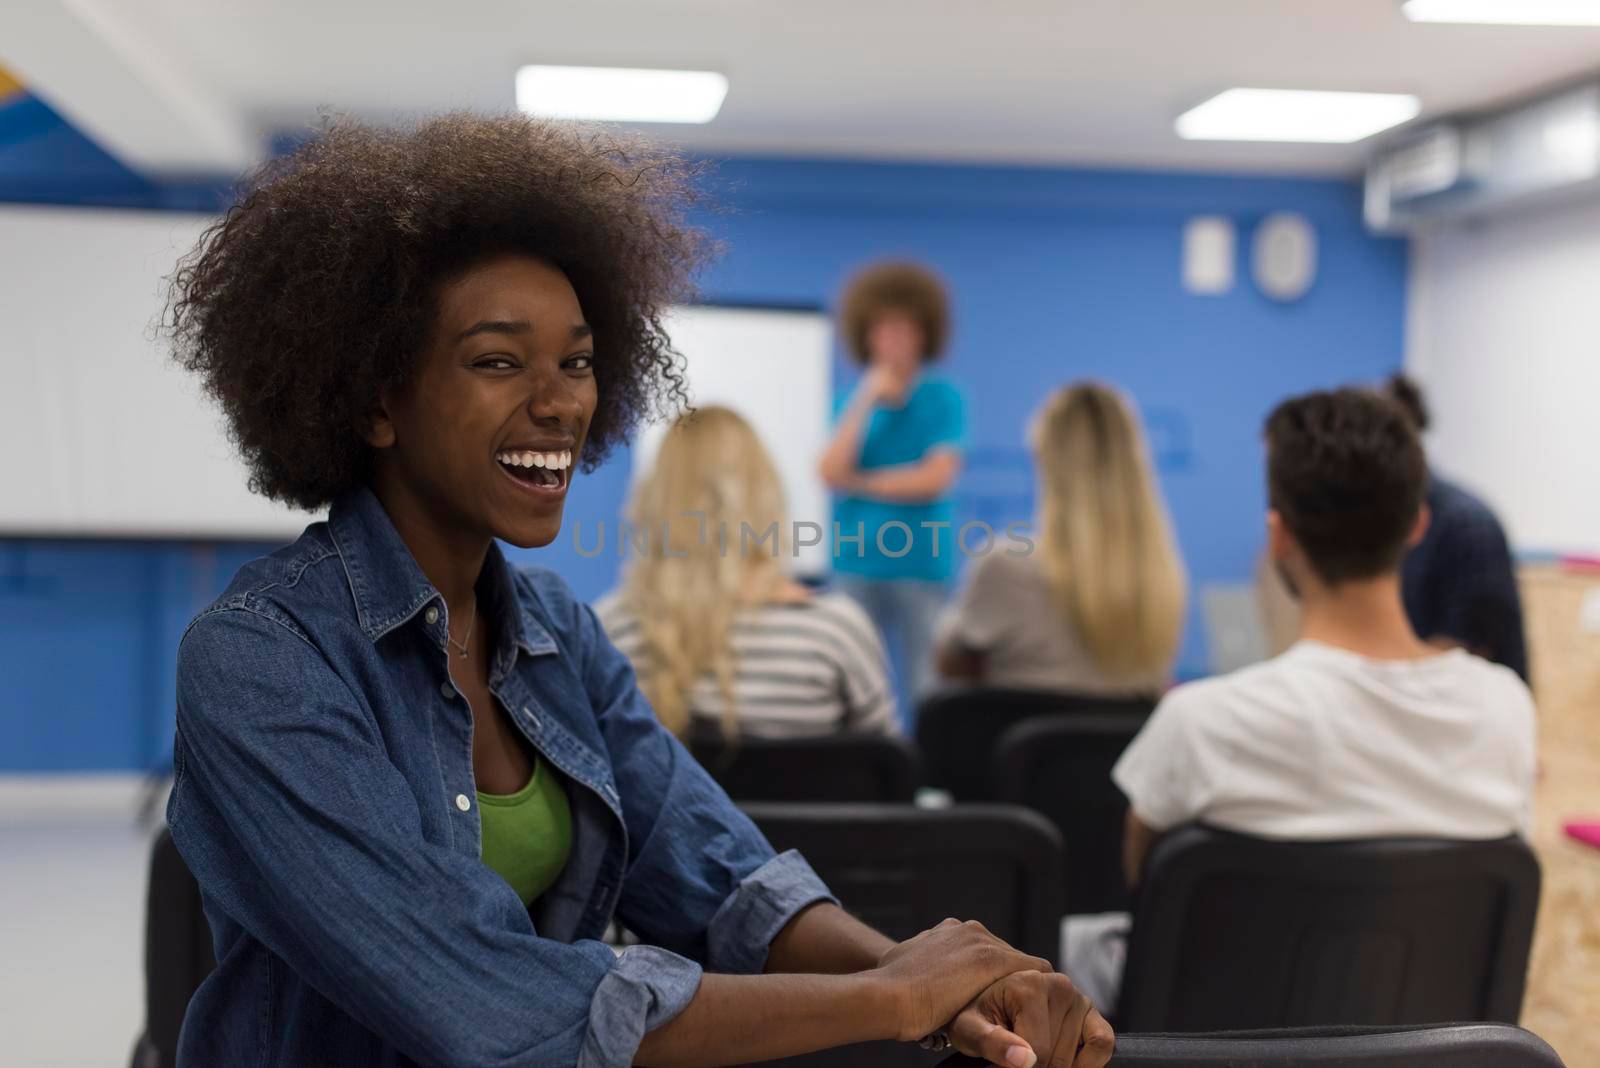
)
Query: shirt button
[
  {"x": 447, "y": 691},
  {"x": 431, "y": 615},
  {"x": 463, "y": 802}
]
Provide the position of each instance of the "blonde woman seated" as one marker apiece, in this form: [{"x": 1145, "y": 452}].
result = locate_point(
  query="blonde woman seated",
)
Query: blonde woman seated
[
  {"x": 1093, "y": 601},
  {"x": 720, "y": 636}
]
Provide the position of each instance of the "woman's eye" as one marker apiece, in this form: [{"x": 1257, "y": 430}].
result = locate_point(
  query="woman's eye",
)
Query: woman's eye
[
  {"x": 580, "y": 363},
  {"x": 494, "y": 363}
]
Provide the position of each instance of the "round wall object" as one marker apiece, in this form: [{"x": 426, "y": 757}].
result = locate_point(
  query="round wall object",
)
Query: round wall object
[{"x": 1284, "y": 256}]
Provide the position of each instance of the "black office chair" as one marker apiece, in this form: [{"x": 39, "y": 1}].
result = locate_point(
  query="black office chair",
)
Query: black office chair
[
  {"x": 1060, "y": 766},
  {"x": 1459, "y": 1046},
  {"x": 177, "y": 953},
  {"x": 903, "y": 869},
  {"x": 1234, "y": 932},
  {"x": 840, "y": 767},
  {"x": 958, "y": 730}
]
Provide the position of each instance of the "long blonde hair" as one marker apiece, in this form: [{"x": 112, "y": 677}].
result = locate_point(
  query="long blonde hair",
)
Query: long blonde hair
[
  {"x": 695, "y": 574},
  {"x": 1104, "y": 535}
]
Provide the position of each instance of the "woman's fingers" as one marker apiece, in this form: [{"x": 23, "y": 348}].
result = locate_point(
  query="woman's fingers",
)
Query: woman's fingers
[
  {"x": 1099, "y": 1042},
  {"x": 975, "y": 1035},
  {"x": 1028, "y": 1009},
  {"x": 945, "y": 967},
  {"x": 1072, "y": 1010}
]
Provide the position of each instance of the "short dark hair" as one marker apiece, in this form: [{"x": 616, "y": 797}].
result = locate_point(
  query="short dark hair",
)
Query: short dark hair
[
  {"x": 1346, "y": 473},
  {"x": 890, "y": 287},
  {"x": 317, "y": 290},
  {"x": 1404, "y": 391}
]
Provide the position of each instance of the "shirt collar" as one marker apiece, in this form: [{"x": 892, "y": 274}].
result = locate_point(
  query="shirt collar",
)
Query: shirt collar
[{"x": 389, "y": 588}]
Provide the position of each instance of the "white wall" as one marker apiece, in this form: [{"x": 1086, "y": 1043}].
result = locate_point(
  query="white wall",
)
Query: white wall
[
  {"x": 100, "y": 433},
  {"x": 1504, "y": 334}
]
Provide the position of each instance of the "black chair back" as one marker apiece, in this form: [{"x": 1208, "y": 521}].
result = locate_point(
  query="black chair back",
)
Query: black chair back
[
  {"x": 1060, "y": 766},
  {"x": 1460, "y": 1046},
  {"x": 903, "y": 869},
  {"x": 177, "y": 952},
  {"x": 1235, "y": 932},
  {"x": 840, "y": 767},
  {"x": 958, "y": 730}
]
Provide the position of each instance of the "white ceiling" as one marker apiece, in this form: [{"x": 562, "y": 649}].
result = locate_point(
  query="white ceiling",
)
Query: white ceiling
[{"x": 186, "y": 84}]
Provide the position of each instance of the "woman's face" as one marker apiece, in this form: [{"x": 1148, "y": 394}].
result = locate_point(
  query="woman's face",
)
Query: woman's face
[
  {"x": 894, "y": 342},
  {"x": 487, "y": 434}
]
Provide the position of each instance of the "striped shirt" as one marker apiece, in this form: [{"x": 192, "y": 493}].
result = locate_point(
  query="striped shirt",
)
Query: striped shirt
[{"x": 800, "y": 670}]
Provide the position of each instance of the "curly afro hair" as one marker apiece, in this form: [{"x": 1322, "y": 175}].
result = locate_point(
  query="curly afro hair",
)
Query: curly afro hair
[
  {"x": 317, "y": 290},
  {"x": 895, "y": 286}
]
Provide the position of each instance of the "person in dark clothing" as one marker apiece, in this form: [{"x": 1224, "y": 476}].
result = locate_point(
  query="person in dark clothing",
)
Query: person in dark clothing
[{"x": 1459, "y": 584}]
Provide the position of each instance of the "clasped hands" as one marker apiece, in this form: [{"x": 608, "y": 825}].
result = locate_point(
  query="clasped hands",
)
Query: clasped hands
[{"x": 995, "y": 1003}]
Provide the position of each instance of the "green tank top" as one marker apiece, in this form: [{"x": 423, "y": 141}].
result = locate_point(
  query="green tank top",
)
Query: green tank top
[{"x": 527, "y": 835}]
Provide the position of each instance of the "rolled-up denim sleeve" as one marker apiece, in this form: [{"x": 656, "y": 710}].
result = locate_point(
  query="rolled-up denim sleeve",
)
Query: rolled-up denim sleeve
[
  {"x": 302, "y": 832},
  {"x": 769, "y": 897},
  {"x": 701, "y": 880},
  {"x": 650, "y": 986}
]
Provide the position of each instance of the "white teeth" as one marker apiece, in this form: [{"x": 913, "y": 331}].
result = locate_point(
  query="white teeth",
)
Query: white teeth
[{"x": 552, "y": 461}]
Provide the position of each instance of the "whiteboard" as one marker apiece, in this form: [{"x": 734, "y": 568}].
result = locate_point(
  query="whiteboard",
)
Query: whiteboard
[
  {"x": 775, "y": 368},
  {"x": 103, "y": 436}
]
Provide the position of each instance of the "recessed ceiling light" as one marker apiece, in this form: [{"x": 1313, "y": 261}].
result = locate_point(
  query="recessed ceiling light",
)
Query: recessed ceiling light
[
  {"x": 1506, "y": 12},
  {"x": 621, "y": 94},
  {"x": 1295, "y": 115}
]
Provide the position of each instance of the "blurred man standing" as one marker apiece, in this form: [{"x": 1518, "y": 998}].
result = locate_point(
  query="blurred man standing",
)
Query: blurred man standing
[{"x": 1459, "y": 584}]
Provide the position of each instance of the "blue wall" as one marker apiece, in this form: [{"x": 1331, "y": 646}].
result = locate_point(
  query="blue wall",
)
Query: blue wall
[
  {"x": 1061, "y": 274},
  {"x": 44, "y": 160},
  {"x": 1057, "y": 274}
]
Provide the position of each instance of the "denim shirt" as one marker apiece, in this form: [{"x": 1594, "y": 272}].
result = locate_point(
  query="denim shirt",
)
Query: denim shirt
[{"x": 324, "y": 799}]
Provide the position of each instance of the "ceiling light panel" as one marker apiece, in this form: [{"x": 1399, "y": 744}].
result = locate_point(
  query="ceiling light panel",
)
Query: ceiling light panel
[
  {"x": 1506, "y": 12},
  {"x": 1295, "y": 115},
  {"x": 621, "y": 94}
]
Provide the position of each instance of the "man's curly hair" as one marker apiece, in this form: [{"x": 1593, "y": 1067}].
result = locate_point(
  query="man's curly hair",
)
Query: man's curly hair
[
  {"x": 1346, "y": 473},
  {"x": 895, "y": 286},
  {"x": 317, "y": 290}
]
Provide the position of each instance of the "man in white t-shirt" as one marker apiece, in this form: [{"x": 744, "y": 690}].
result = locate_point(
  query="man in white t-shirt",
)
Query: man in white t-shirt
[{"x": 1360, "y": 729}]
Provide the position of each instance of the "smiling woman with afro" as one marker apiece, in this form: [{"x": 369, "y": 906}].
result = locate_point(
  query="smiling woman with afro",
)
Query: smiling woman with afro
[
  {"x": 417, "y": 785},
  {"x": 318, "y": 289}
]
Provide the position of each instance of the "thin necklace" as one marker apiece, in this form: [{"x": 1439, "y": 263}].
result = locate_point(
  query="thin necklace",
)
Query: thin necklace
[{"x": 467, "y": 638}]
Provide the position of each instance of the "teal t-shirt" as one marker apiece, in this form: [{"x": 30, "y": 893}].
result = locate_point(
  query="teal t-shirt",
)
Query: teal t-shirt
[{"x": 934, "y": 415}]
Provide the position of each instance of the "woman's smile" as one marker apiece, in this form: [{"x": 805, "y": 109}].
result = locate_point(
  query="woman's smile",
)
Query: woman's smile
[{"x": 542, "y": 471}]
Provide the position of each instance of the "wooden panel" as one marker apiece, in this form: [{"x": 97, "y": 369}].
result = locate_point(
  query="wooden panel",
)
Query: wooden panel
[{"x": 1564, "y": 974}]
